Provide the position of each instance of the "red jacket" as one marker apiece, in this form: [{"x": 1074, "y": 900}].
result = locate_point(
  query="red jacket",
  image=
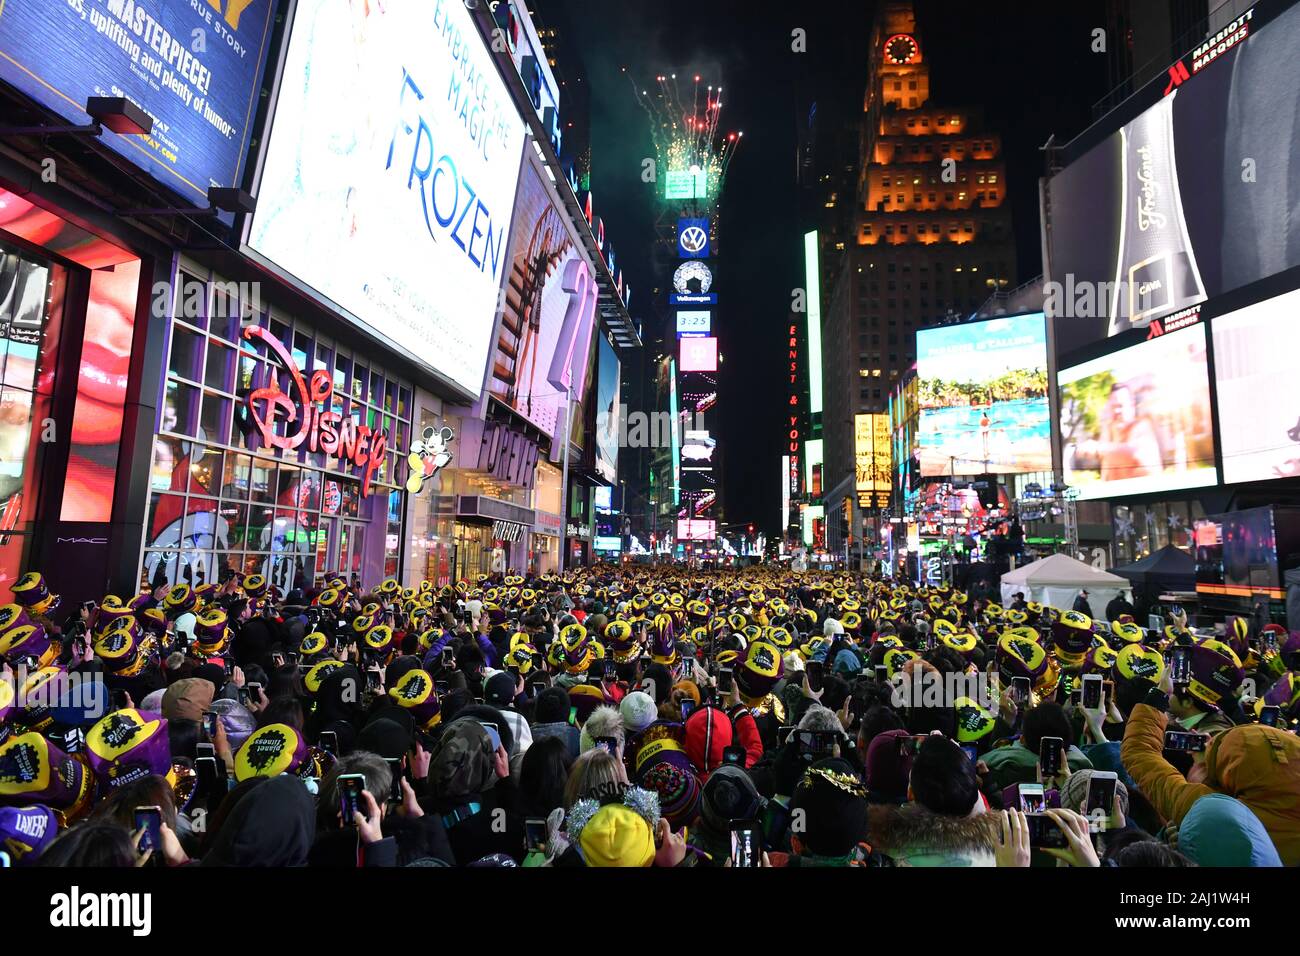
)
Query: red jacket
[{"x": 710, "y": 730}]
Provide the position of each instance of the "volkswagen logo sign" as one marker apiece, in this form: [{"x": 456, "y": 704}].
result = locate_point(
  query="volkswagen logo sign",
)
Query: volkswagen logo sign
[{"x": 694, "y": 239}]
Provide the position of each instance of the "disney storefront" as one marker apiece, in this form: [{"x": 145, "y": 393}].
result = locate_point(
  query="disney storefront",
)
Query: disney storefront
[{"x": 278, "y": 450}]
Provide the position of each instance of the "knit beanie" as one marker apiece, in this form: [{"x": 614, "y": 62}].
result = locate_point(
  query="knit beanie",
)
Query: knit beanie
[{"x": 638, "y": 710}]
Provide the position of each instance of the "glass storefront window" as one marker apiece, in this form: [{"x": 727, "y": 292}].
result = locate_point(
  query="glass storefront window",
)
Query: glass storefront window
[
  {"x": 181, "y": 409},
  {"x": 187, "y": 353},
  {"x": 473, "y": 550},
  {"x": 225, "y": 314},
  {"x": 291, "y": 514},
  {"x": 1140, "y": 530},
  {"x": 238, "y": 471},
  {"x": 219, "y": 371},
  {"x": 205, "y": 471},
  {"x": 214, "y": 422},
  {"x": 236, "y": 516}
]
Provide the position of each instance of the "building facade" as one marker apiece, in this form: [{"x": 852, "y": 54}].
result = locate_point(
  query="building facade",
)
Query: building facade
[{"x": 930, "y": 238}]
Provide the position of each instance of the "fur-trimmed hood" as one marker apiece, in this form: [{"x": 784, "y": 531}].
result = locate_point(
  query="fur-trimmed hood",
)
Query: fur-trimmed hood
[{"x": 911, "y": 828}]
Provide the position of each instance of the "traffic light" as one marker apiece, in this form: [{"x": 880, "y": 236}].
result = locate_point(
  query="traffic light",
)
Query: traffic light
[{"x": 751, "y": 529}]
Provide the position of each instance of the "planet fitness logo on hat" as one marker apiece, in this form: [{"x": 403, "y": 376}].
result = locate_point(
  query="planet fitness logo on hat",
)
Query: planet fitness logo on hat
[{"x": 272, "y": 750}]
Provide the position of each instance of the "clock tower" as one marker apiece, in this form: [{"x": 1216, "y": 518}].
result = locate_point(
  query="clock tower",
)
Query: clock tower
[
  {"x": 904, "y": 74},
  {"x": 928, "y": 240}
]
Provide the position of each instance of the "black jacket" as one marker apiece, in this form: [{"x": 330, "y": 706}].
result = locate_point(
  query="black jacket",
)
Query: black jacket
[
  {"x": 495, "y": 827},
  {"x": 273, "y": 826}
]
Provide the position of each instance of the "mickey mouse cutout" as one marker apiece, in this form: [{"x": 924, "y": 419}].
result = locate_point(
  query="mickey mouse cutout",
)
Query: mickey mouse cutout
[{"x": 428, "y": 455}]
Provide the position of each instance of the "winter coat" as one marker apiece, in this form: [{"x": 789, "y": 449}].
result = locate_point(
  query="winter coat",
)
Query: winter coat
[
  {"x": 569, "y": 733},
  {"x": 911, "y": 835},
  {"x": 1258, "y": 765},
  {"x": 480, "y": 824},
  {"x": 273, "y": 826},
  {"x": 710, "y": 730},
  {"x": 1018, "y": 764}
]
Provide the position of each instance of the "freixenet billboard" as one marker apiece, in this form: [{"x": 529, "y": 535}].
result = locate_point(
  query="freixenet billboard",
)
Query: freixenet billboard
[
  {"x": 1188, "y": 200},
  {"x": 390, "y": 174},
  {"x": 195, "y": 67}
]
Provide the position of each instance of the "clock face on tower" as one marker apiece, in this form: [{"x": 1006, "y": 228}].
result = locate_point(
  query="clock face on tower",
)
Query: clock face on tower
[{"x": 902, "y": 48}]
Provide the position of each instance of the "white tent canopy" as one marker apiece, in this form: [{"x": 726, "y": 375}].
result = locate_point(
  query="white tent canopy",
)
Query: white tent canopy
[{"x": 1058, "y": 579}]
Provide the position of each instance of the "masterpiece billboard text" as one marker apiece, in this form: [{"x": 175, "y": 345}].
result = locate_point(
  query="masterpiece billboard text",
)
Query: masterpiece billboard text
[{"x": 195, "y": 69}]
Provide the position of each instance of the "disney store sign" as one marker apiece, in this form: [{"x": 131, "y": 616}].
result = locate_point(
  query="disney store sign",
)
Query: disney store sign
[{"x": 307, "y": 405}]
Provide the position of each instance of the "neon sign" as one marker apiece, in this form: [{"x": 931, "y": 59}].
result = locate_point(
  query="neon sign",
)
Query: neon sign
[{"x": 323, "y": 429}]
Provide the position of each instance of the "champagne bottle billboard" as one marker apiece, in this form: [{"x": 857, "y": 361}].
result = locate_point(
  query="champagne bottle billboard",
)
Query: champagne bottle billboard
[
  {"x": 1155, "y": 271},
  {"x": 1188, "y": 200}
]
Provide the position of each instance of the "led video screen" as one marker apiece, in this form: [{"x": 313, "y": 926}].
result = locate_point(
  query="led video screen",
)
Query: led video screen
[
  {"x": 1258, "y": 390},
  {"x": 1138, "y": 420},
  {"x": 982, "y": 391}
]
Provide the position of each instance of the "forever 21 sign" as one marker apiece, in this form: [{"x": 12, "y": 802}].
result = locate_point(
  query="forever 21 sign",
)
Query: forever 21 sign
[{"x": 323, "y": 429}]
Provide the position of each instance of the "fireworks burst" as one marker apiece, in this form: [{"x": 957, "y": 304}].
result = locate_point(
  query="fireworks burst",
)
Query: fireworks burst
[{"x": 684, "y": 123}]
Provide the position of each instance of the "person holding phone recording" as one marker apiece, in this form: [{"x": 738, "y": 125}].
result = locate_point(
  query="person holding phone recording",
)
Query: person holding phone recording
[
  {"x": 1258, "y": 765},
  {"x": 1020, "y": 761}
]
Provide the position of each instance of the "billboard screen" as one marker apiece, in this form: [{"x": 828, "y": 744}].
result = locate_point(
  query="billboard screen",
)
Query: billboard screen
[
  {"x": 694, "y": 322},
  {"x": 982, "y": 393},
  {"x": 548, "y": 325},
  {"x": 686, "y": 184},
  {"x": 196, "y": 71},
  {"x": 607, "y": 411},
  {"x": 812, "y": 279},
  {"x": 1245, "y": 553},
  {"x": 101, "y": 398},
  {"x": 873, "y": 460},
  {"x": 1173, "y": 208},
  {"x": 696, "y": 529},
  {"x": 1138, "y": 420},
  {"x": 698, "y": 446},
  {"x": 390, "y": 174},
  {"x": 1258, "y": 389},
  {"x": 699, "y": 354}
]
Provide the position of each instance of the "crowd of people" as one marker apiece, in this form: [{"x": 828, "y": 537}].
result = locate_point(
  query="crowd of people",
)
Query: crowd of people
[{"x": 633, "y": 716}]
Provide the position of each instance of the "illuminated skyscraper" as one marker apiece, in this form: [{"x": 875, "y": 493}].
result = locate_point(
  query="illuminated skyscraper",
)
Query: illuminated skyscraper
[{"x": 930, "y": 238}]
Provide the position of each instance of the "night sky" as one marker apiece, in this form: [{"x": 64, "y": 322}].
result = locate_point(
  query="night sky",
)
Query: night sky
[{"x": 1028, "y": 65}]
